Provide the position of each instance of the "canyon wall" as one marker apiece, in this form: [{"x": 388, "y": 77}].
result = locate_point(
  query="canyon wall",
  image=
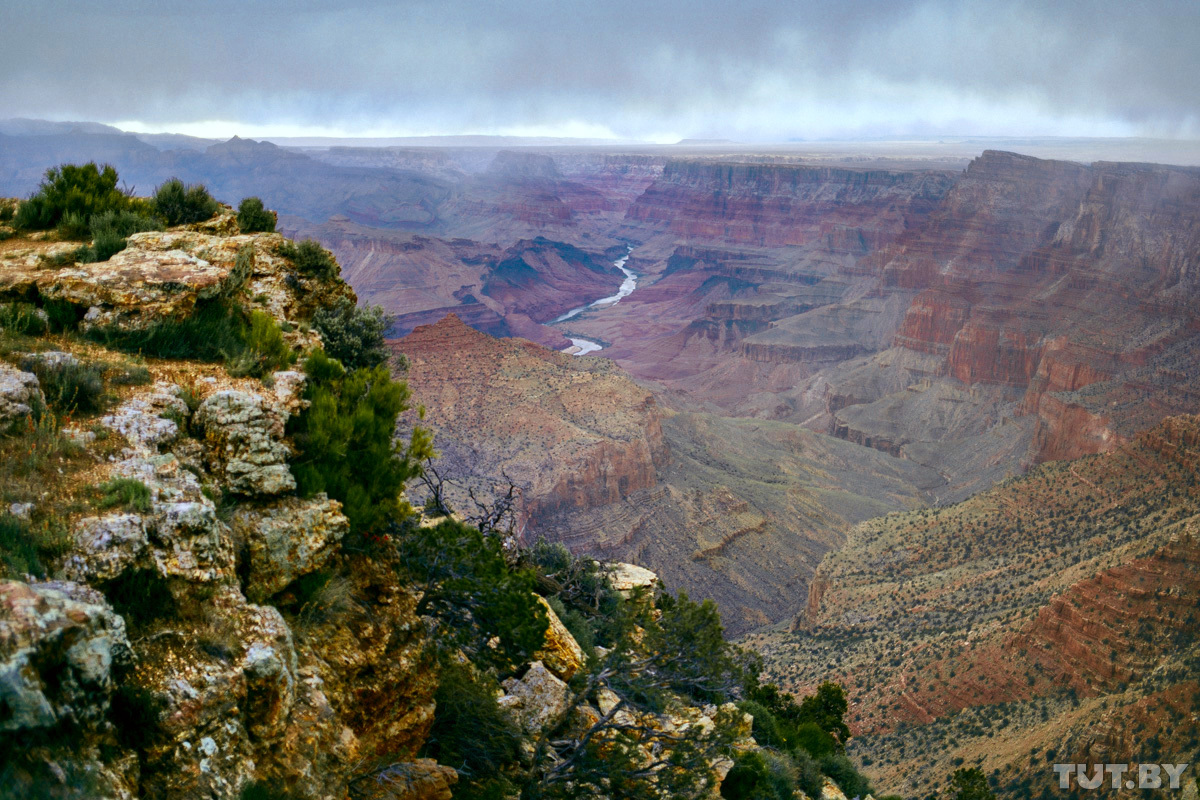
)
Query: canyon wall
[{"x": 1051, "y": 612}]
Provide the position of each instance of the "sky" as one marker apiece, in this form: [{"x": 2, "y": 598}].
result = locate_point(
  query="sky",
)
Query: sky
[{"x": 646, "y": 70}]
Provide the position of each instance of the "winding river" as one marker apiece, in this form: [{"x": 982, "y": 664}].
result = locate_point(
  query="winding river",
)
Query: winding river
[{"x": 586, "y": 346}]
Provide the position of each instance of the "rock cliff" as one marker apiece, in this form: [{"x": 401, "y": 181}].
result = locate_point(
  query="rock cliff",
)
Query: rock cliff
[
  {"x": 1047, "y": 613},
  {"x": 160, "y": 644}
]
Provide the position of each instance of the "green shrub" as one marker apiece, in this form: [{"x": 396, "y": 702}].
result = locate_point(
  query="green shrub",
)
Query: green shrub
[
  {"x": 353, "y": 335},
  {"x": 69, "y": 387},
  {"x": 842, "y": 772},
  {"x": 767, "y": 730},
  {"x": 129, "y": 375},
  {"x": 23, "y": 319},
  {"x": 73, "y": 225},
  {"x": 470, "y": 731},
  {"x": 26, "y": 546},
  {"x": 18, "y": 548},
  {"x": 579, "y": 626},
  {"x": 473, "y": 593},
  {"x": 346, "y": 442},
  {"x": 310, "y": 258},
  {"x": 6, "y": 212},
  {"x": 579, "y": 585},
  {"x": 214, "y": 329},
  {"x": 970, "y": 784},
  {"x": 254, "y": 218},
  {"x": 109, "y": 230},
  {"x": 128, "y": 493},
  {"x": 712, "y": 669},
  {"x": 181, "y": 204},
  {"x": 70, "y": 190},
  {"x": 809, "y": 778},
  {"x": 263, "y": 349},
  {"x": 809, "y": 737},
  {"x": 760, "y": 776}
]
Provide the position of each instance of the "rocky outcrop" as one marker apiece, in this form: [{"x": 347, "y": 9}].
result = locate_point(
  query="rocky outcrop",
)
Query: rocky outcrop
[
  {"x": 535, "y": 700},
  {"x": 629, "y": 579},
  {"x": 561, "y": 654},
  {"x": 58, "y": 645},
  {"x": 244, "y": 439},
  {"x": 287, "y": 540},
  {"x": 20, "y": 393}
]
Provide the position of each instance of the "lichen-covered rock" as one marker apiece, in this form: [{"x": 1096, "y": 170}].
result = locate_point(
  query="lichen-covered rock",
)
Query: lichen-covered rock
[
  {"x": 148, "y": 419},
  {"x": 536, "y": 699},
  {"x": 20, "y": 392},
  {"x": 270, "y": 667},
  {"x": 561, "y": 654},
  {"x": 58, "y": 644},
  {"x": 628, "y": 578},
  {"x": 830, "y": 791},
  {"x": 52, "y": 358},
  {"x": 423, "y": 779},
  {"x": 106, "y": 546},
  {"x": 245, "y": 447},
  {"x": 187, "y": 538},
  {"x": 287, "y": 540}
]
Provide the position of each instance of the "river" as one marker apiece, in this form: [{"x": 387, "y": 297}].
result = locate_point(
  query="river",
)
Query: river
[{"x": 586, "y": 346}]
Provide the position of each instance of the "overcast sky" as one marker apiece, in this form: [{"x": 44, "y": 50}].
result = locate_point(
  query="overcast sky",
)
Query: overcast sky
[{"x": 759, "y": 70}]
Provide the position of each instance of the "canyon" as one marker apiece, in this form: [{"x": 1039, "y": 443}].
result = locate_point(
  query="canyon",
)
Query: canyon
[
  {"x": 971, "y": 322},
  {"x": 921, "y": 424}
]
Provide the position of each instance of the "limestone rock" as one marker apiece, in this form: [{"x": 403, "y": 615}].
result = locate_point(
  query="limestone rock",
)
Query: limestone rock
[
  {"x": 830, "y": 791},
  {"x": 628, "y": 578},
  {"x": 423, "y": 779},
  {"x": 58, "y": 643},
  {"x": 144, "y": 418},
  {"x": 244, "y": 436},
  {"x": 187, "y": 538},
  {"x": 537, "y": 699},
  {"x": 20, "y": 392},
  {"x": 561, "y": 654},
  {"x": 106, "y": 546},
  {"x": 287, "y": 540},
  {"x": 270, "y": 669}
]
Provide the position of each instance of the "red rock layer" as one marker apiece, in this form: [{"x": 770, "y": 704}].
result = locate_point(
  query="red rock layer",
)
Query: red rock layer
[
  {"x": 846, "y": 210},
  {"x": 573, "y": 433}
]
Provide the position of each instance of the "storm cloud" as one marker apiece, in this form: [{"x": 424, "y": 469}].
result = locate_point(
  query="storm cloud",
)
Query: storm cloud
[{"x": 754, "y": 70}]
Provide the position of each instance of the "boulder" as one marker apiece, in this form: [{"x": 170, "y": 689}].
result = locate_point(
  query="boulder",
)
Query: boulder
[
  {"x": 288, "y": 540},
  {"x": 187, "y": 539},
  {"x": 269, "y": 665},
  {"x": 147, "y": 419},
  {"x": 423, "y": 779},
  {"x": 628, "y": 578},
  {"x": 20, "y": 393},
  {"x": 58, "y": 644},
  {"x": 537, "y": 699},
  {"x": 561, "y": 654},
  {"x": 243, "y": 434},
  {"x": 106, "y": 546},
  {"x": 830, "y": 791}
]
